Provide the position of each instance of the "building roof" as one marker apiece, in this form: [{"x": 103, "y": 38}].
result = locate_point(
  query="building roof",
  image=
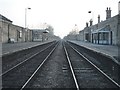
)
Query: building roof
[
  {"x": 4, "y": 18},
  {"x": 40, "y": 30}
]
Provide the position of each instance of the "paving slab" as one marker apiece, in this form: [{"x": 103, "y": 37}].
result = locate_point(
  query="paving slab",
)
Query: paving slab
[{"x": 108, "y": 50}]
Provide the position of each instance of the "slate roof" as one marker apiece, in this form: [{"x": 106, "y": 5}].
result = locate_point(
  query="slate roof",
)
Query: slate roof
[{"x": 4, "y": 18}]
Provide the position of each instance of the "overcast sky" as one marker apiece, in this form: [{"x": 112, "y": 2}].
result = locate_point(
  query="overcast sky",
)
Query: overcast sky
[{"x": 61, "y": 14}]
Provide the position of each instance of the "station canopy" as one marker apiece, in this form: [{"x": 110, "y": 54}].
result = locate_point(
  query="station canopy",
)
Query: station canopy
[{"x": 101, "y": 30}]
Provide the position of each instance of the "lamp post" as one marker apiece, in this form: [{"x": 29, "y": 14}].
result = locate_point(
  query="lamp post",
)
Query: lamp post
[
  {"x": 26, "y": 16},
  {"x": 92, "y": 15},
  {"x": 89, "y": 36},
  {"x": 26, "y": 23}
]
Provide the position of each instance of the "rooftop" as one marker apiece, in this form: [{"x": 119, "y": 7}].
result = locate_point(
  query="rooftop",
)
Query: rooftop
[{"x": 4, "y": 18}]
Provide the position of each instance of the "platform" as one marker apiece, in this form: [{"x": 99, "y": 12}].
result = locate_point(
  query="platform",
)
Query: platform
[
  {"x": 14, "y": 47},
  {"x": 108, "y": 50}
]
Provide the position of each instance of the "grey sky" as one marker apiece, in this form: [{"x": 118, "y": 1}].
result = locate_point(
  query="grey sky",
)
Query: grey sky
[{"x": 61, "y": 14}]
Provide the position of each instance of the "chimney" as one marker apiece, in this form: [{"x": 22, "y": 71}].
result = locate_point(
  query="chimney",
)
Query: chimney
[
  {"x": 91, "y": 22},
  {"x": 119, "y": 7},
  {"x": 108, "y": 13},
  {"x": 86, "y": 24},
  {"x": 98, "y": 18}
]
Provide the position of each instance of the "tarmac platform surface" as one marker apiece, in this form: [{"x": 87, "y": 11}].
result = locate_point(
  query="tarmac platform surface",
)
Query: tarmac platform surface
[{"x": 8, "y": 48}]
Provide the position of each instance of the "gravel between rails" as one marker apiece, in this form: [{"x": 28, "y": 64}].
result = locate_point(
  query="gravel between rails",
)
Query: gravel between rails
[
  {"x": 17, "y": 77},
  {"x": 8, "y": 61},
  {"x": 54, "y": 73},
  {"x": 87, "y": 76},
  {"x": 104, "y": 63}
]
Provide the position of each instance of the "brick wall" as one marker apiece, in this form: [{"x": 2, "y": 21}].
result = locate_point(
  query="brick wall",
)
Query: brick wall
[
  {"x": 0, "y": 31},
  {"x": 17, "y": 33},
  {"x": 4, "y": 32},
  {"x": 118, "y": 32}
]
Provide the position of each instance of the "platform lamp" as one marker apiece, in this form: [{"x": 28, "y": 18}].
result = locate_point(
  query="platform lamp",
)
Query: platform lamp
[
  {"x": 92, "y": 15},
  {"x": 26, "y": 23}
]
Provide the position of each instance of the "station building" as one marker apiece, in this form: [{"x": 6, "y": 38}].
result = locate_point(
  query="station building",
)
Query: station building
[
  {"x": 43, "y": 35},
  {"x": 10, "y": 33},
  {"x": 39, "y": 35},
  {"x": 104, "y": 32},
  {"x": 13, "y": 33}
]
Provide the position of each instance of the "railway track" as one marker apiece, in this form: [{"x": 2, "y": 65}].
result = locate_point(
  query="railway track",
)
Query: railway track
[
  {"x": 21, "y": 74},
  {"x": 11, "y": 60},
  {"x": 85, "y": 73},
  {"x": 106, "y": 64},
  {"x": 55, "y": 73},
  {"x": 59, "y": 65}
]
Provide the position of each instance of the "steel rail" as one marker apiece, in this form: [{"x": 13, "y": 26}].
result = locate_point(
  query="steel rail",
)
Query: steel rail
[
  {"x": 24, "y": 61},
  {"x": 71, "y": 68},
  {"x": 108, "y": 77},
  {"x": 34, "y": 73}
]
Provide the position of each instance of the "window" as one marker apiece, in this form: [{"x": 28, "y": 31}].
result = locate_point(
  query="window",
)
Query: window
[
  {"x": 20, "y": 34},
  {"x": 105, "y": 36}
]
